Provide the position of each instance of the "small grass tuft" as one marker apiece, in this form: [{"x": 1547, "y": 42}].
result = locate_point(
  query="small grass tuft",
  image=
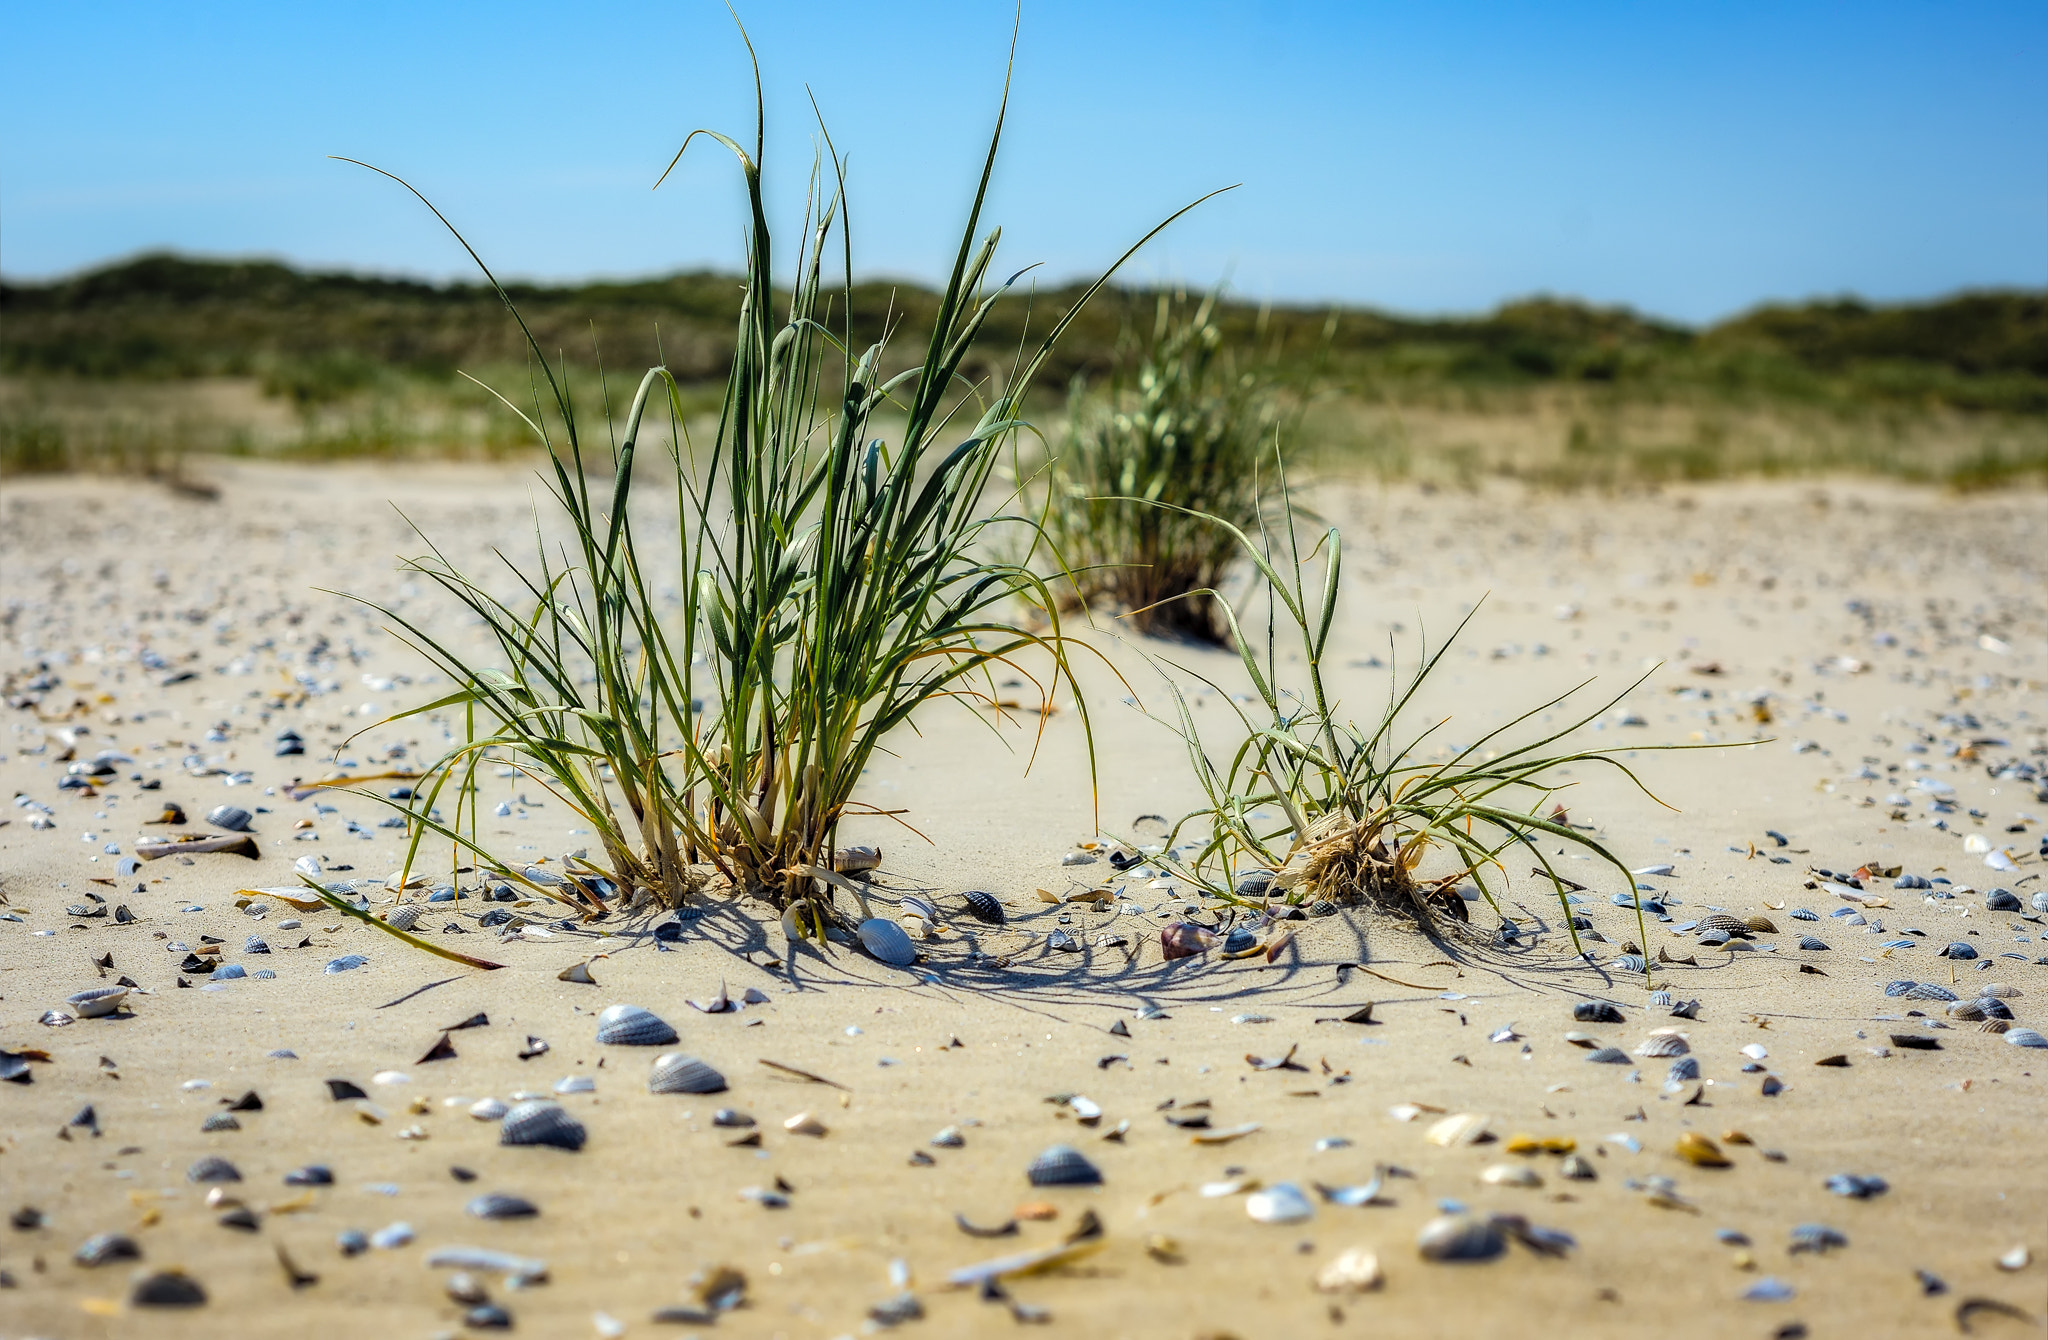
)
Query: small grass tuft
[{"x": 1339, "y": 813}]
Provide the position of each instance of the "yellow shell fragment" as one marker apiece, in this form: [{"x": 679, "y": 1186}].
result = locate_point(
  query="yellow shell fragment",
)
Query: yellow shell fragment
[{"x": 1701, "y": 1152}]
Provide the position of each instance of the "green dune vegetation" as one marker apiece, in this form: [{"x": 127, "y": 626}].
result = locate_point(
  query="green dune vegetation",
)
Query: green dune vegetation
[{"x": 139, "y": 365}]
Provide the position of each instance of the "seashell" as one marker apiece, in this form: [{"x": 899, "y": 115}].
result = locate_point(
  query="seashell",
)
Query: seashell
[
  {"x": 1930, "y": 991},
  {"x": 1857, "y": 1186},
  {"x": 231, "y": 817},
  {"x": 2040, "y": 901},
  {"x": 227, "y": 972},
  {"x": 1511, "y": 1174},
  {"x": 1817, "y": 1238},
  {"x": 1993, "y": 1026},
  {"x": 487, "y": 1109},
  {"x": 1062, "y": 1165},
  {"x": 1969, "y": 1011},
  {"x": 497, "y": 1205},
  {"x": 1715, "y": 938},
  {"x": 1179, "y": 940},
  {"x": 541, "y": 1123},
  {"x": 1577, "y": 1169},
  {"x": 212, "y": 1168},
  {"x": 728, "y": 1118},
  {"x": 1957, "y": 949},
  {"x": 1899, "y": 988},
  {"x": 1629, "y": 963},
  {"x": 1760, "y": 925},
  {"x": 2025, "y": 1037},
  {"x": 984, "y": 906},
  {"x": 1801, "y": 914},
  {"x": 346, "y": 963},
  {"x": 405, "y": 916},
  {"x": 948, "y": 1138},
  {"x": 97, "y": 1002},
  {"x": 168, "y": 1288},
  {"x": 1463, "y": 1128},
  {"x": 1355, "y": 1271},
  {"x": 220, "y": 1121},
  {"x": 255, "y": 944},
  {"x": 576, "y": 1084},
  {"x": 675, "y": 1072},
  {"x": 103, "y": 1249},
  {"x": 804, "y": 1123},
  {"x": 1998, "y": 990},
  {"x": 1597, "y": 1012},
  {"x": 1812, "y": 943},
  {"x": 1460, "y": 1237},
  {"x": 1721, "y": 921},
  {"x": 392, "y": 1236},
  {"x": 1701, "y": 1152},
  {"x": 888, "y": 942},
  {"x": 1662, "y": 1045},
  {"x": 1253, "y": 883},
  {"x": 313, "y": 1174},
  {"x": 1769, "y": 1289},
  {"x": 2001, "y": 900},
  {"x": 856, "y": 860},
  {"x": 1684, "y": 1069},
  {"x": 484, "y": 1259},
  {"x": 631, "y": 1026},
  {"x": 1239, "y": 940},
  {"x": 1281, "y": 1203},
  {"x": 1578, "y": 1039},
  {"x": 922, "y": 908},
  {"x": 1608, "y": 1056}
]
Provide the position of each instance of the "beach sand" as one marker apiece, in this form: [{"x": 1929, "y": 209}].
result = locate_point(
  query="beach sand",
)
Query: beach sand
[{"x": 1881, "y": 630}]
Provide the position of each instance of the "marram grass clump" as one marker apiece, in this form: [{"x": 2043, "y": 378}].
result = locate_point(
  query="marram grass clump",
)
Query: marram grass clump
[{"x": 710, "y": 723}]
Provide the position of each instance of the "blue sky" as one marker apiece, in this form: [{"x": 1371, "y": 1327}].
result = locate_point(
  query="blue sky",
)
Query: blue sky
[{"x": 1688, "y": 160}]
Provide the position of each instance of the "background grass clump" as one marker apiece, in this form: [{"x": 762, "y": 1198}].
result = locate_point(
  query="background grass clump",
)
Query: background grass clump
[{"x": 1179, "y": 431}]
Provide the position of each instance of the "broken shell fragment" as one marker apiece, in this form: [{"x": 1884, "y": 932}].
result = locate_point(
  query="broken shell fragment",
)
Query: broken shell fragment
[
  {"x": 804, "y": 1123},
  {"x": 1355, "y": 1271},
  {"x": 856, "y": 860},
  {"x": 1511, "y": 1174},
  {"x": 1700, "y": 1151},
  {"x": 1464, "y": 1128},
  {"x": 169, "y": 1288}
]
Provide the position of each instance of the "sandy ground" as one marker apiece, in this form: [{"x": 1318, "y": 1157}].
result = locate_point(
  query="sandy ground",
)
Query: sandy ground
[{"x": 1895, "y": 639}]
